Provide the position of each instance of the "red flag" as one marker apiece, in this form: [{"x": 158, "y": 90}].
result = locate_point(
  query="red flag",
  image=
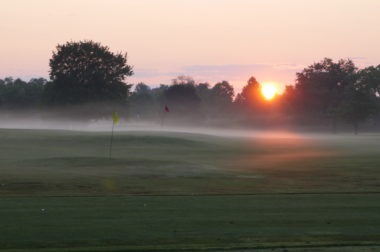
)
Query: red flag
[{"x": 166, "y": 108}]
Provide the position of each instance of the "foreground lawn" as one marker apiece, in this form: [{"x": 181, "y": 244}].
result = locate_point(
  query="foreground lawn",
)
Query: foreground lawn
[{"x": 189, "y": 222}]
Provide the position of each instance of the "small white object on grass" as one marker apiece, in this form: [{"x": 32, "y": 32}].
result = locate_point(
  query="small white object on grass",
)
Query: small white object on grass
[{"x": 43, "y": 209}]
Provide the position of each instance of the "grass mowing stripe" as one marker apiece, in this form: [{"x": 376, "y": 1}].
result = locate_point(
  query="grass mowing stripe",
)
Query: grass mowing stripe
[
  {"x": 177, "y": 221},
  {"x": 365, "y": 247}
]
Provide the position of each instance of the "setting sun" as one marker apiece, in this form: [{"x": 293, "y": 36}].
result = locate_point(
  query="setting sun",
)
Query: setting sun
[{"x": 269, "y": 91}]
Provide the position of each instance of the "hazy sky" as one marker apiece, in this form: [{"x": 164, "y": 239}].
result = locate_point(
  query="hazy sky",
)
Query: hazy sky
[{"x": 211, "y": 40}]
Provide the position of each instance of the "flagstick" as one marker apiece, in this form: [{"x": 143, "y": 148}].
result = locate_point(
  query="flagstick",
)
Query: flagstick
[
  {"x": 110, "y": 151},
  {"x": 162, "y": 119},
  {"x": 166, "y": 109}
]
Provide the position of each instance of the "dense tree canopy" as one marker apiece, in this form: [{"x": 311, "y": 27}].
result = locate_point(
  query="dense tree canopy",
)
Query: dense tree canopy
[
  {"x": 330, "y": 90},
  {"x": 223, "y": 91},
  {"x": 370, "y": 77},
  {"x": 182, "y": 96},
  {"x": 86, "y": 71},
  {"x": 358, "y": 104},
  {"x": 142, "y": 101},
  {"x": 18, "y": 93},
  {"x": 320, "y": 86},
  {"x": 250, "y": 95}
]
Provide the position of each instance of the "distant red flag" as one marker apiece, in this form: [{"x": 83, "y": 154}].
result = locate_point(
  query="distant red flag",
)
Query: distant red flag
[{"x": 166, "y": 108}]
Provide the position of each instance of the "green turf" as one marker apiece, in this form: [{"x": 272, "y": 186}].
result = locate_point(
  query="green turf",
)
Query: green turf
[
  {"x": 215, "y": 192},
  {"x": 189, "y": 221}
]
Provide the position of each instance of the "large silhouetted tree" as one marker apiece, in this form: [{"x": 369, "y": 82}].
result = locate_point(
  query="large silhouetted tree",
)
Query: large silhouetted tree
[
  {"x": 320, "y": 88},
  {"x": 86, "y": 71}
]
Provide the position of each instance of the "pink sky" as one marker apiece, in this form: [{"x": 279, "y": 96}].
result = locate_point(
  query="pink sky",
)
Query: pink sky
[{"x": 211, "y": 40}]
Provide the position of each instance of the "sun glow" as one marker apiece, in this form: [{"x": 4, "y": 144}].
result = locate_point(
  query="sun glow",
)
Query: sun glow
[{"x": 269, "y": 91}]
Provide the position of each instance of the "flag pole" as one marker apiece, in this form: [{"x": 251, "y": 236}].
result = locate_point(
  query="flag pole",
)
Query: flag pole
[
  {"x": 162, "y": 119},
  {"x": 111, "y": 140},
  {"x": 166, "y": 110},
  {"x": 115, "y": 120}
]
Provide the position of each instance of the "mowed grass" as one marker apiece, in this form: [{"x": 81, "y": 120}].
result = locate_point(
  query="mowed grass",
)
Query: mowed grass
[
  {"x": 192, "y": 222},
  {"x": 176, "y": 191}
]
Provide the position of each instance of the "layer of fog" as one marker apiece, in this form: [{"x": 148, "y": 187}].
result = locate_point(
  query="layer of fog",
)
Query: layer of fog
[
  {"x": 122, "y": 125},
  {"x": 105, "y": 125}
]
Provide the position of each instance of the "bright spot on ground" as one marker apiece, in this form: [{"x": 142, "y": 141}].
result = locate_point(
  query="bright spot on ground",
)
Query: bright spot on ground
[{"x": 269, "y": 90}]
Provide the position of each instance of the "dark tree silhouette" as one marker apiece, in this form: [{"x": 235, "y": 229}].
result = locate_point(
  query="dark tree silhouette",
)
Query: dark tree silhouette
[
  {"x": 223, "y": 91},
  {"x": 358, "y": 104},
  {"x": 86, "y": 71},
  {"x": 183, "y": 79},
  {"x": 182, "y": 98},
  {"x": 320, "y": 89},
  {"x": 221, "y": 97},
  {"x": 142, "y": 101},
  {"x": 159, "y": 95},
  {"x": 203, "y": 91},
  {"x": 250, "y": 96},
  {"x": 21, "y": 94},
  {"x": 370, "y": 77}
]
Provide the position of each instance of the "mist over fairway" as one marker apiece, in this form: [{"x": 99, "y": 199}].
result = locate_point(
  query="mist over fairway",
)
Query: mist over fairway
[
  {"x": 56, "y": 162},
  {"x": 38, "y": 120}
]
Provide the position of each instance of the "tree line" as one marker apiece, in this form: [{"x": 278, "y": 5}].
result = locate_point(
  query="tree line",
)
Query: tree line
[{"x": 89, "y": 77}]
